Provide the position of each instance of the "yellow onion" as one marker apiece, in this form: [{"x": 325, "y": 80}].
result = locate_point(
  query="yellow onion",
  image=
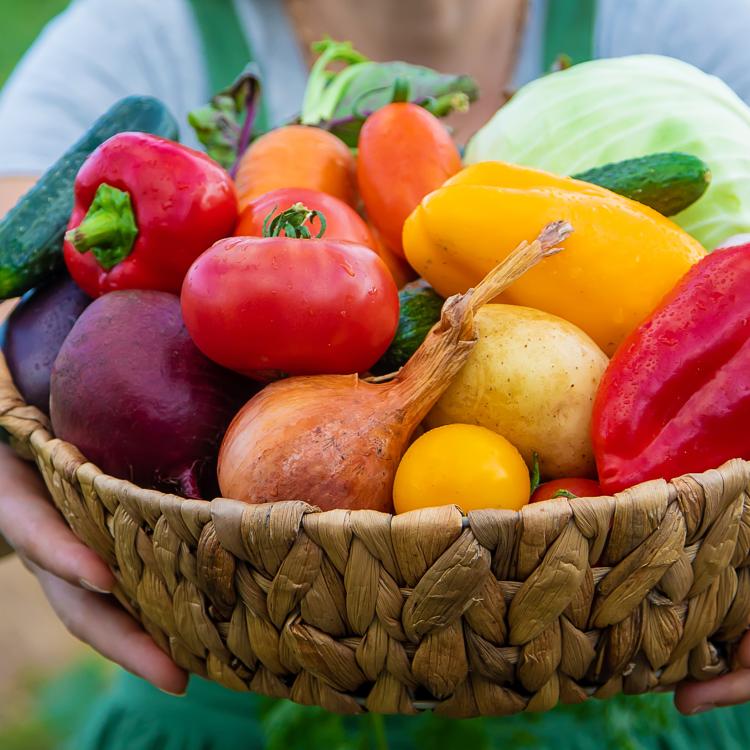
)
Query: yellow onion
[{"x": 335, "y": 441}]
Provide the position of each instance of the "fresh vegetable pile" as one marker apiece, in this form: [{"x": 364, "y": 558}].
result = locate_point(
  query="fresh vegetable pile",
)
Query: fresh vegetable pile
[{"x": 340, "y": 311}]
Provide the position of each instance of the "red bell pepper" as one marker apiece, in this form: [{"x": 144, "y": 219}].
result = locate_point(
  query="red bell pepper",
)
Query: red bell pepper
[
  {"x": 145, "y": 208},
  {"x": 675, "y": 398}
]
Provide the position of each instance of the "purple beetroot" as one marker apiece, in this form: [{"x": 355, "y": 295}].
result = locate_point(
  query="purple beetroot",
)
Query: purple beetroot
[
  {"x": 134, "y": 394},
  {"x": 36, "y": 331}
]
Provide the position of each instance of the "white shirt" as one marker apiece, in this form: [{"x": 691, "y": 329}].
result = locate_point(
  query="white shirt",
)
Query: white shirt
[{"x": 98, "y": 51}]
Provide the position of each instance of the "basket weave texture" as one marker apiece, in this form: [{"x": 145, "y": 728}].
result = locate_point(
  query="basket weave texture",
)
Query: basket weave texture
[{"x": 490, "y": 614}]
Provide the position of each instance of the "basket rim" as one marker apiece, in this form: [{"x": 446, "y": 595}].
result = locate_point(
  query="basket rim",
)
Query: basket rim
[{"x": 28, "y": 425}]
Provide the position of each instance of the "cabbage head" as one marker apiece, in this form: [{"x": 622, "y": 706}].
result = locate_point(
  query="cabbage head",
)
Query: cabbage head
[{"x": 608, "y": 110}]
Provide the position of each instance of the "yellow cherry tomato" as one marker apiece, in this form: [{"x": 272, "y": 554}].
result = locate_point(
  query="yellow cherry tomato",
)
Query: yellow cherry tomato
[{"x": 464, "y": 465}]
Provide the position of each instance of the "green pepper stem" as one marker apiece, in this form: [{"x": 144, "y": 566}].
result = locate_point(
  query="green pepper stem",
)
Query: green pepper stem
[
  {"x": 108, "y": 230},
  {"x": 94, "y": 230}
]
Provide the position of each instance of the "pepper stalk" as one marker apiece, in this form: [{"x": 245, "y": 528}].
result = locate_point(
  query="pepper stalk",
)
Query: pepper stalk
[{"x": 109, "y": 229}]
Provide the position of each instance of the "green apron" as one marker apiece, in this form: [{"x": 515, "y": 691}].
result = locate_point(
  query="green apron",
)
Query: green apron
[
  {"x": 226, "y": 49},
  {"x": 136, "y": 716}
]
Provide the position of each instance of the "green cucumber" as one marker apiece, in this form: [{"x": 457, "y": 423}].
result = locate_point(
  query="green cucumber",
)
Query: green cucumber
[
  {"x": 31, "y": 233},
  {"x": 668, "y": 182},
  {"x": 419, "y": 309}
]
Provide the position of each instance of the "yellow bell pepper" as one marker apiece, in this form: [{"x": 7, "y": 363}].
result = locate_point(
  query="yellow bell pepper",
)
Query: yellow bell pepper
[{"x": 621, "y": 259}]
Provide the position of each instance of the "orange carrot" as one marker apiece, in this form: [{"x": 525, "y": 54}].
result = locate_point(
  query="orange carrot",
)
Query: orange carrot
[{"x": 297, "y": 156}]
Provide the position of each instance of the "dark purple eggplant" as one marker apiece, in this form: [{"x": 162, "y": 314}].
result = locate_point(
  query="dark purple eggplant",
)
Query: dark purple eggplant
[
  {"x": 35, "y": 332},
  {"x": 137, "y": 397}
]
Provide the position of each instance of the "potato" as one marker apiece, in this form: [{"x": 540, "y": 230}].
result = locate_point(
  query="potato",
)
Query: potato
[{"x": 532, "y": 378}]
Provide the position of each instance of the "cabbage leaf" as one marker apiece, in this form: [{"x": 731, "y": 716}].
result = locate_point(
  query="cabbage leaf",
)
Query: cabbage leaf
[{"x": 609, "y": 110}]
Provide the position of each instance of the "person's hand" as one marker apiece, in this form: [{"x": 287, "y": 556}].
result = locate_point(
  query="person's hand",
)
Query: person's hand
[
  {"x": 728, "y": 690},
  {"x": 74, "y": 579}
]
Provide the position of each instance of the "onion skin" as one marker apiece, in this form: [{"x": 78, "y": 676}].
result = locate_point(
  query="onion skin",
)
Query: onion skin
[
  {"x": 335, "y": 441},
  {"x": 132, "y": 392},
  {"x": 261, "y": 461}
]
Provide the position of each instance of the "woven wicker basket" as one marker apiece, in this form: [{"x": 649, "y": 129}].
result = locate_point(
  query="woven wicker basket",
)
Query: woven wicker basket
[{"x": 492, "y": 614}]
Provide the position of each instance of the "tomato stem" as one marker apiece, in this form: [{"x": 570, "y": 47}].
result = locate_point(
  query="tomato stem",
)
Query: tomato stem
[
  {"x": 292, "y": 222},
  {"x": 564, "y": 493},
  {"x": 535, "y": 473}
]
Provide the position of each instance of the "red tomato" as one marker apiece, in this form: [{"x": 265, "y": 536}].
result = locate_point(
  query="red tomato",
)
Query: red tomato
[
  {"x": 404, "y": 153},
  {"x": 270, "y": 305},
  {"x": 342, "y": 221},
  {"x": 574, "y": 486}
]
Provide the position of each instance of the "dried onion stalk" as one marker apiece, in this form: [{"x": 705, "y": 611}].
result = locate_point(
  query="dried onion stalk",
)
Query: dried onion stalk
[{"x": 335, "y": 441}]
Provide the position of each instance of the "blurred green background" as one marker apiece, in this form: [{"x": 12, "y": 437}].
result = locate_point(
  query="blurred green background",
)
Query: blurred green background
[
  {"x": 42, "y": 682},
  {"x": 21, "y": 21}
]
